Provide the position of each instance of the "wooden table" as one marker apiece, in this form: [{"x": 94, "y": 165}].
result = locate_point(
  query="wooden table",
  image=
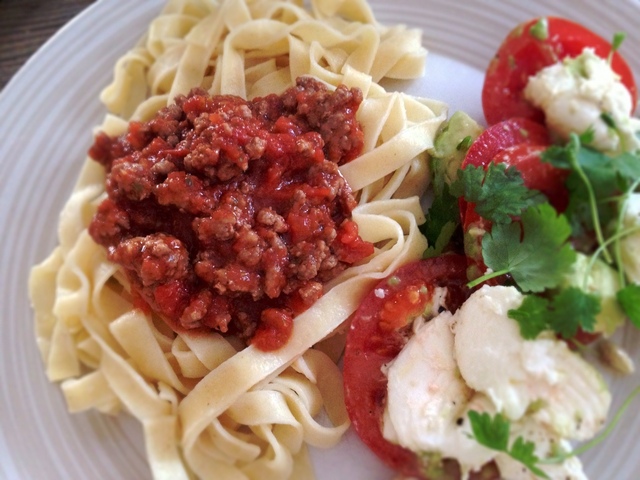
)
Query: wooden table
[{"x": 26, "y": 24}]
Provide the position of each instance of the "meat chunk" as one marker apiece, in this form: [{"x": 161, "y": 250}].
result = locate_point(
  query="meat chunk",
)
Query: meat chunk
[{"x": 220, "y": 210}]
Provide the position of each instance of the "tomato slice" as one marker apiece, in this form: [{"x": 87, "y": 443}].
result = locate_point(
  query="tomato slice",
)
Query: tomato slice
[
  {"x": 499, "y": 137},
  {"x": 507, "y": 133},
  {"x": 524, "y": 52},
  {"x": 379, "y": 329},
  {"x": 536, "y": 174}
]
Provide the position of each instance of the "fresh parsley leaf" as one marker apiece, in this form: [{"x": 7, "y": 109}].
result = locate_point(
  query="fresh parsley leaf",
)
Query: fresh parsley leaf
[
  {"x": 563, "y": 312},
  {"x": 571, "y": 309},
  {"x": 498, "y": 191},
  {"x": 629, "y": 299},
  {"x": 535, "y": 251},
  {"x": 493, "y": 432},
  {"x": 532, "y": 316}
]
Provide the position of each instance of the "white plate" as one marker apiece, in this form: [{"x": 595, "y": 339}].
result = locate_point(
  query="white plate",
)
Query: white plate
[{"x": 46, "y": 115}]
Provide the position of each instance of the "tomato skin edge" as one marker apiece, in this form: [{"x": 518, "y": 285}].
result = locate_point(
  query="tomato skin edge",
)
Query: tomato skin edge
[{"x": 507, "y": 133}]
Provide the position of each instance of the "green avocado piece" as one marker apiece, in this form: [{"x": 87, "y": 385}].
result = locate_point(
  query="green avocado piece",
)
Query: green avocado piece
[
  {"x": 450, "y": 147},
  {"x": 596, "y": 277}
]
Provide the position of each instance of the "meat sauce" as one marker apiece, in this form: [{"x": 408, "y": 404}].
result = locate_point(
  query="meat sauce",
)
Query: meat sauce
[{"x": 230, "y": 214}]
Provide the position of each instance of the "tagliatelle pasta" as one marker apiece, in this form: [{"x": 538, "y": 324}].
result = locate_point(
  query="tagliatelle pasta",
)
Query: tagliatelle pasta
[{"x": 210, "y": 407}]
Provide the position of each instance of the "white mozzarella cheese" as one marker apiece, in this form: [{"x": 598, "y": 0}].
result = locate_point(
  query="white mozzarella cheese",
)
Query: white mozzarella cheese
[
  {"x": 570, "y": 396},
  {"x": 477, "y": 360},
  {"x": 575, "y": 93},
  {"x": 426, "y": 396}
]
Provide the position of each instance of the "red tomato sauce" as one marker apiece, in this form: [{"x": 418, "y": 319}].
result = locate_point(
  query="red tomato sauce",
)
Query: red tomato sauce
[{"x": 230, "y": 214}]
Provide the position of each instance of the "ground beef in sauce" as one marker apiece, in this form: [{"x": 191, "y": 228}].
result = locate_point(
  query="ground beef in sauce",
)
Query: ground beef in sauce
[{"x": 230, "y": 214}]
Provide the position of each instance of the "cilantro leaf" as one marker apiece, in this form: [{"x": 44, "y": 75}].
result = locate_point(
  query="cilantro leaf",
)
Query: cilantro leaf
[
  {"x": 575, "y": 155},
  {"x": 595, "y": 180},
  {"x": 535, "y": 251},
  {"x": 532, "y": 316},
  {"x": 627, "y": 166},
  {"x": 573, "y": 308},
  {"x": 564, "y": 312},
  {"x": 498, "y": 191},
  {"x": 588, "y": 136},
  {"x": 446, "y": 234},
  {"x": 490, "y": 432},
  {"x": 592, "y": 177},
  {"x": 469, "y": 183},
  {"x": 562, "y": 156},
  {"x": 443, "y": 217},
  {"x": 629, "y": 299},
  {"x": 493, "y": 432},
  {"x": 524, "y": 452}
]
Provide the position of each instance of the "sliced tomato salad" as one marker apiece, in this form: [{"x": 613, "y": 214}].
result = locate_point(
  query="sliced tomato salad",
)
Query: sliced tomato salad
[
  {"x": 516, "y": 136},
  {"x": 527, "y": 49},
  {"x": 379, "y": 329}
]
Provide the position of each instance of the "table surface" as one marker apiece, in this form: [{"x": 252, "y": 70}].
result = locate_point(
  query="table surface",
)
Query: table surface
[{"x": 26, "y": 24}]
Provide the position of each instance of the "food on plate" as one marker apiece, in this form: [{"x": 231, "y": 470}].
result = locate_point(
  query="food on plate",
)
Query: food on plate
[
  {"x": 379, "y": 330},
  {"x": 527, "y": 49},
  {"x": 254, "y": 193},
  {"x": 474, "y": 361},
  {"x": 191, "y": 294},
  {"x": 231, "y": 214},
  {"x": 583, "y": 93}
]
